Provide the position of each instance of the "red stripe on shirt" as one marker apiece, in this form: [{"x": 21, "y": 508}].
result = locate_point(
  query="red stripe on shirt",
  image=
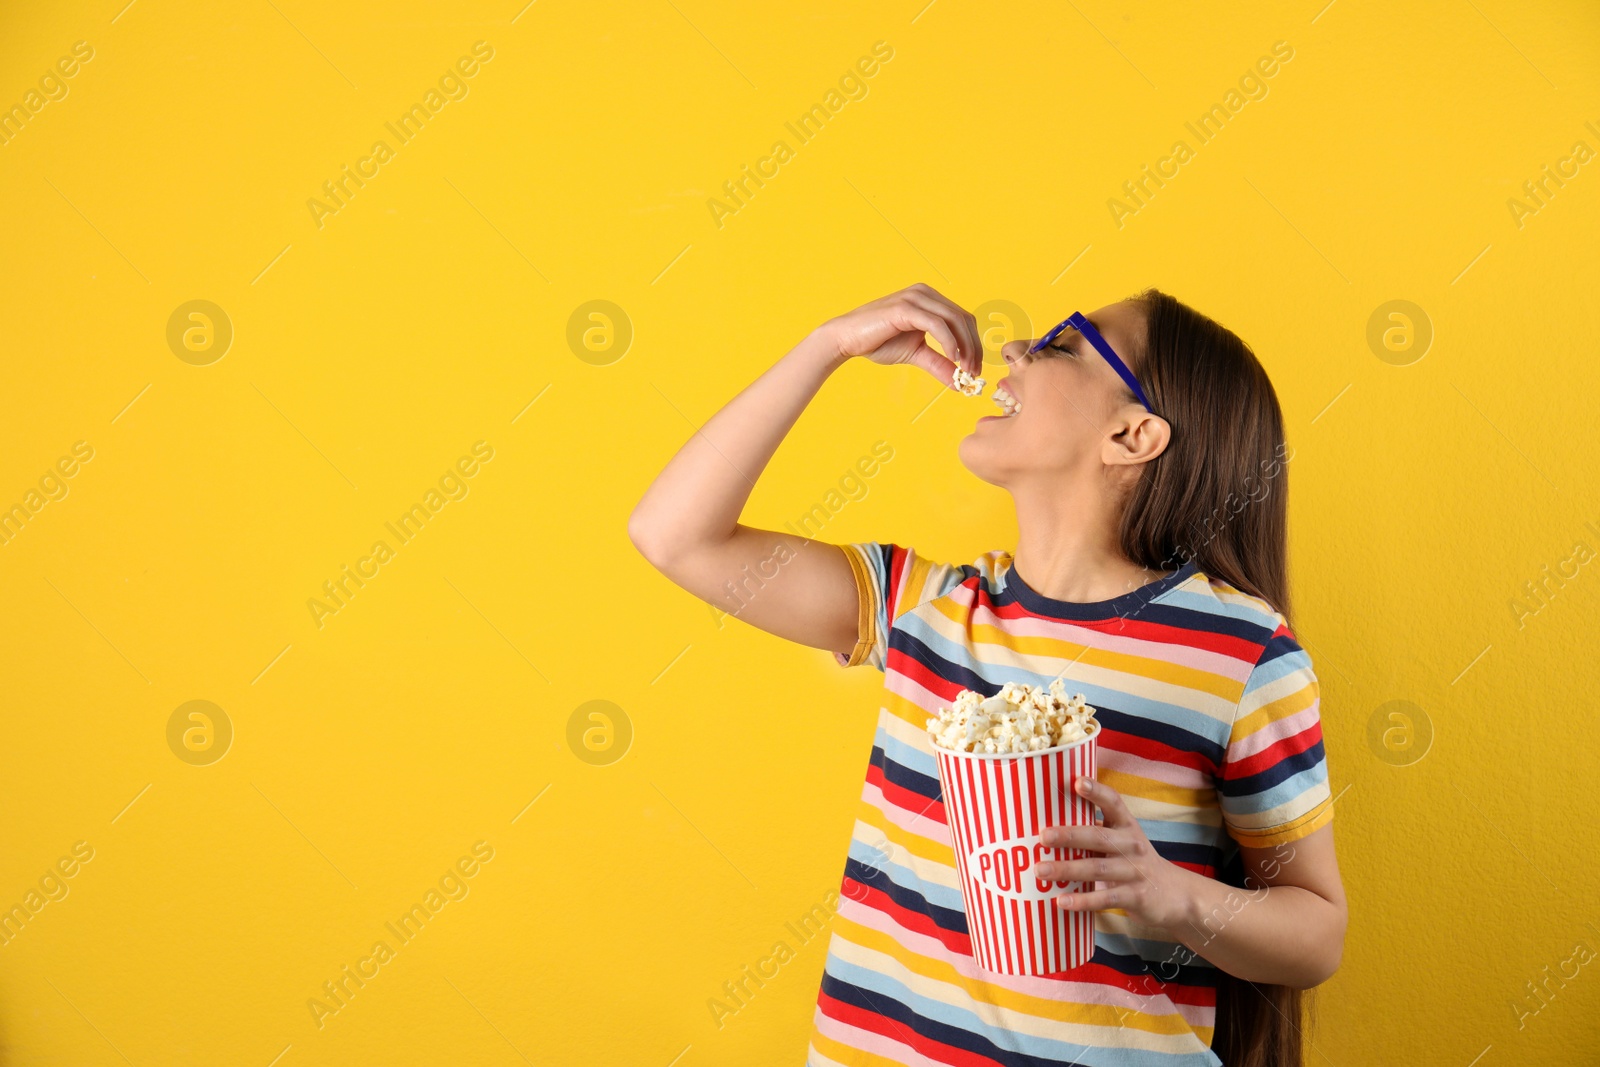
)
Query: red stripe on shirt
[
  {"x": 908, "y": 800},
  {"x": 1275, "y": 753},
  {"x": 887, "y": 1027},
  {"x": 954, "y": 940}
]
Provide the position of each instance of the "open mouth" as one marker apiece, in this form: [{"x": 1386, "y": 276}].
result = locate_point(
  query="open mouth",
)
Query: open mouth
[{"x": 1007, "y": 403}]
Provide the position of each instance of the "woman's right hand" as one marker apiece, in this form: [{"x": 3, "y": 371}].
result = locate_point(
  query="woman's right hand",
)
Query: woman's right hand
[
  {"x": 894, "y": 329},
  {"x": 789, "y": 583}
]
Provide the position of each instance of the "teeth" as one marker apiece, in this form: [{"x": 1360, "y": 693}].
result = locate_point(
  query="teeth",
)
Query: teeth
[{"x": 1007, "y": 403}]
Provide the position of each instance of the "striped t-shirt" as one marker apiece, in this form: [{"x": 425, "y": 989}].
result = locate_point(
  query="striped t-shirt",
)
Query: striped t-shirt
[{"x": 1210, "y": 732}]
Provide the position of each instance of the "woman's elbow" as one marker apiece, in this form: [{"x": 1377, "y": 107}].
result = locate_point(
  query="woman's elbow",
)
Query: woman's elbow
[
  {"x": 1319, "y": 971},
  {"x": 646, "y": 537},
  {"x": 1324, "y": 964},
  {"x": 662, "y": 546}
]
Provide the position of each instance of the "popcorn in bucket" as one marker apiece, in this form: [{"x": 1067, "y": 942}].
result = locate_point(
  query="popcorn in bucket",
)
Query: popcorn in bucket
[{"x": 1007, "y": 765}]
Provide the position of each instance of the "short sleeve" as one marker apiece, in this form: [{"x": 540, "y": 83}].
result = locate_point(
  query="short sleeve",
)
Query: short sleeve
[
  {"x": 890, "y": 580},
  {"x": 1274, "y": 779}
]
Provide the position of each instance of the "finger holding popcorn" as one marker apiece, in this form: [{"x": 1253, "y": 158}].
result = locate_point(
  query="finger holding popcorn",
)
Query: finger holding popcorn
[
  {"x": 960, "y": 348},
  {"x": 970, "y": 355}
]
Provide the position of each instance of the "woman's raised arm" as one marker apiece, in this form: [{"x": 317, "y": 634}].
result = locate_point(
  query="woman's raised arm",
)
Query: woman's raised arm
[{"x": 687, "y": 525}]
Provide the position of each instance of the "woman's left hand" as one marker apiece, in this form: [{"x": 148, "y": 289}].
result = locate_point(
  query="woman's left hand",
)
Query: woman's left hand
[{"x": 1129, "y": 873}]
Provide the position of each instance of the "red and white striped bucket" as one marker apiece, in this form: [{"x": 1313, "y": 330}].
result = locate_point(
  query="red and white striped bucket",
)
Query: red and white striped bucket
[{"x": 997, "y": 806}]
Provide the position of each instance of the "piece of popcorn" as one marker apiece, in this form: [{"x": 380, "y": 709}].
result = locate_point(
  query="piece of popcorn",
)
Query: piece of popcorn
[
  {"x": 967, "y": 384},
  {"x": 1013, "y": 693}
]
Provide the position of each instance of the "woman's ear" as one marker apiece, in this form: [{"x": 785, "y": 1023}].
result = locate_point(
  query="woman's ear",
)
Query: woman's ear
[{"x": 1141, "y": 439}]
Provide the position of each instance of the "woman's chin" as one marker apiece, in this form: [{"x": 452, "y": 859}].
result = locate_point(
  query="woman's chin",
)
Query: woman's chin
[{"x": 978, "y": 457}]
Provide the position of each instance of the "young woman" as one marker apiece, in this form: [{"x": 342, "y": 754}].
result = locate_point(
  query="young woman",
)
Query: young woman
[{"x": 1143, "y": 449}]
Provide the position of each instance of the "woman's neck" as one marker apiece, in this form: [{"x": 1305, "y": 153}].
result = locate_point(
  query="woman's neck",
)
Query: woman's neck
[{"x": 1067, "y": 548}]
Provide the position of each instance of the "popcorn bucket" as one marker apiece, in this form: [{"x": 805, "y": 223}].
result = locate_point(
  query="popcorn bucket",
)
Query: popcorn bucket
[{"x": 997, "y": 806}]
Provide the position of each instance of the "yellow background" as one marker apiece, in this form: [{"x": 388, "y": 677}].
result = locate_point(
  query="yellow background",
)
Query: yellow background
[{"x": 426, "y": 314}]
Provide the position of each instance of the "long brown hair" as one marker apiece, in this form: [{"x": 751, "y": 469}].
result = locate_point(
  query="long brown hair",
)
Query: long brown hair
[{"x": 1218, "y": 494}]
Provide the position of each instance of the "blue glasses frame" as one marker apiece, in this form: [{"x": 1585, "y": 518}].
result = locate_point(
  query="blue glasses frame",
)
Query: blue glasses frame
[{"x": 1078, "y": 322}]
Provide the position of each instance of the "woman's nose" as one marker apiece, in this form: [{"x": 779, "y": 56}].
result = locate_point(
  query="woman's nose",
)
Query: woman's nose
[{"x": 1014, "y": 351}]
